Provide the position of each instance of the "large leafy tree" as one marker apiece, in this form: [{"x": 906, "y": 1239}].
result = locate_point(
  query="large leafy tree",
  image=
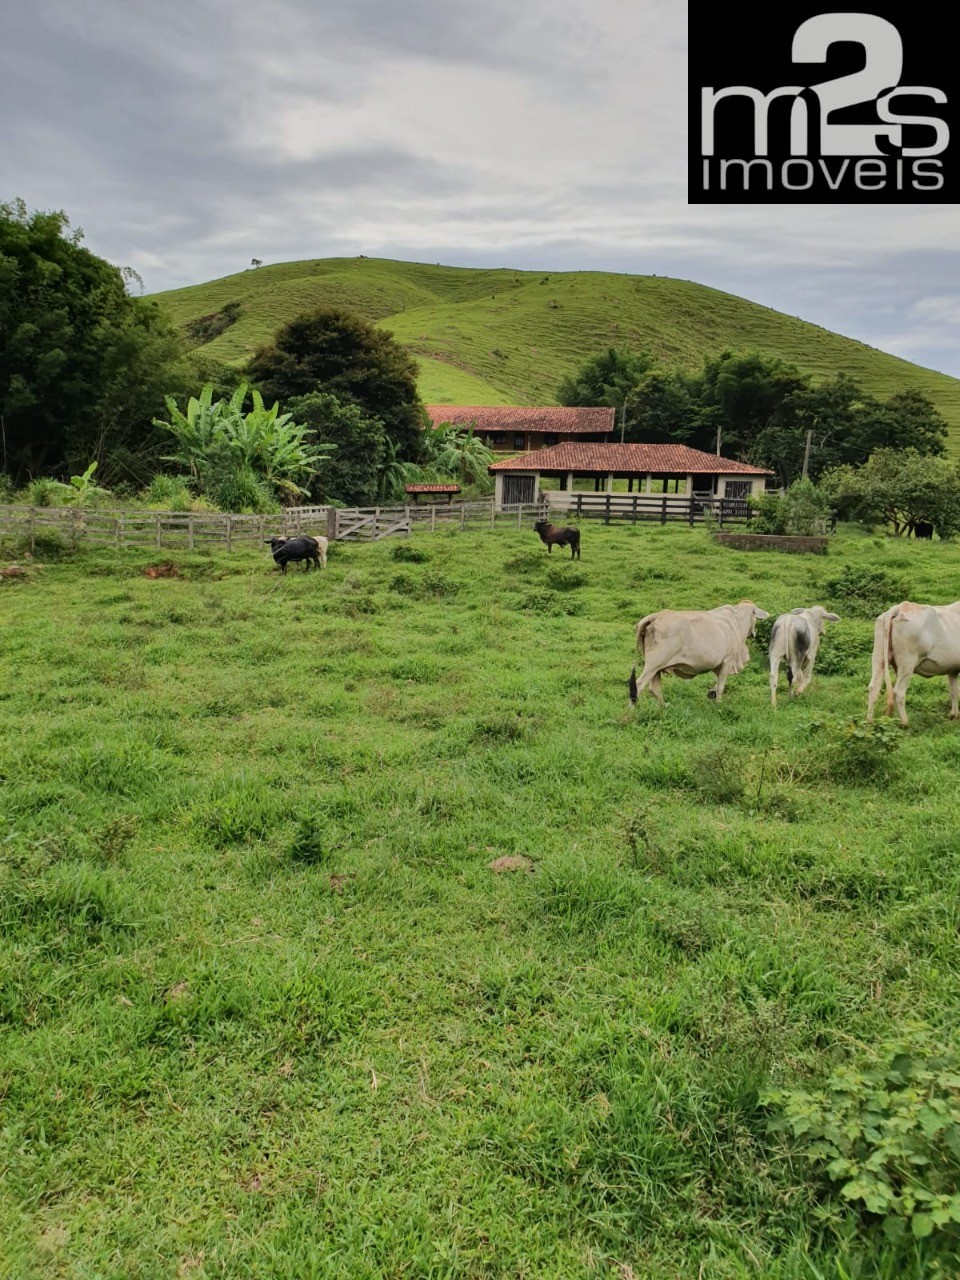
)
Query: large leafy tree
[
  {"x": 352, "y": 475},
  {"x": 900, "y": 487},
  {"x": 609, "y": 378},
  {"x": 83, "y": 364},
  {"x": 341, "y": 354}
]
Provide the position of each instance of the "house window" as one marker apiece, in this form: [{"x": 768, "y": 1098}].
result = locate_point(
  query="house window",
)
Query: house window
[
  {"x": 738, "y": 489},
  {"x": 549, "y": 439},
  {"x": 498, "y": 440},
  {"x": 519, "y": 439}
]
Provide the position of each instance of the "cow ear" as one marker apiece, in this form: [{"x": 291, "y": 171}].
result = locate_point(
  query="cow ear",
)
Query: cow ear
[
  {"x": 831, "y": 617},
  {"x": 761, "y": 613},
  {"x": 800, "y": 610}
]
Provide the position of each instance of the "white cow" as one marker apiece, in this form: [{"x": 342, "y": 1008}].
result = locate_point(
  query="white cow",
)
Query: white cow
[
  {"x": 796, "y": 637},
  {"x": 688, "y": 642},
  {"x": 915, "y": 639}
]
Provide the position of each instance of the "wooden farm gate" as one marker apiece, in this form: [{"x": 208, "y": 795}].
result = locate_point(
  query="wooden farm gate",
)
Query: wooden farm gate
[{"x": 367, "y": 525}]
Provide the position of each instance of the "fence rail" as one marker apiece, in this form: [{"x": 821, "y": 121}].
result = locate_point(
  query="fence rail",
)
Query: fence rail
[
  {"x": 207, "y": 530},
  {"x": 649, "y": 508},
  {"x": 153, "y": 530}
]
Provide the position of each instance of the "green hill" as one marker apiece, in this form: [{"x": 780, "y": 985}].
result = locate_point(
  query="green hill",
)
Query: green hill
[{"x": 507, "y": 337}]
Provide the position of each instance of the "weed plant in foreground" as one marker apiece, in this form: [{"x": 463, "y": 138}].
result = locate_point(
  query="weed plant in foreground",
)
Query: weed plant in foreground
[{"x": 266, "y": 1009}]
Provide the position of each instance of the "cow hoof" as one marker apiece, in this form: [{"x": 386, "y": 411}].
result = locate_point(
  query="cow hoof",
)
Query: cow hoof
[{"x": 712, "y": 695}]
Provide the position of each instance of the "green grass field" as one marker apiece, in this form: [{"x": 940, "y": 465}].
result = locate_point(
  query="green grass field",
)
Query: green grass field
[
  {"x": 267, "y": 1011},
  {"x": 508, "y": 337}
]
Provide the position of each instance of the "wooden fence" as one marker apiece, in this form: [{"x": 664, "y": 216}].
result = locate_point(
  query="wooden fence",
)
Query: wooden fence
[
  {"x": 154, "y": 530},
  {"x": 209, "y": 530},
  {"x": 649, "y": 508}
]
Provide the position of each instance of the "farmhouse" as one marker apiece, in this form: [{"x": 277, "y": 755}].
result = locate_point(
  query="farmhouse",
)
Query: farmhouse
[
  {"x": 522, "y": 428},
  {"x": 650, "y": 470}
]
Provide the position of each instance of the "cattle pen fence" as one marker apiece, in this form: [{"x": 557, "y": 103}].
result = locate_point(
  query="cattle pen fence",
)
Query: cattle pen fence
[{"x": 211, "y": 530}]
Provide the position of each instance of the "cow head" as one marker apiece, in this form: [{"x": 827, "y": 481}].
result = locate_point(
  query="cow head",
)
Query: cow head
[
  {"x": 757, "y": 612},
  {"x": 275, "y": 543}
]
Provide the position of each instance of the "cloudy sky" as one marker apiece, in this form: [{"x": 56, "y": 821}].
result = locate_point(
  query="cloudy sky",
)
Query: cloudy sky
[{"x": 187, "y": 138}]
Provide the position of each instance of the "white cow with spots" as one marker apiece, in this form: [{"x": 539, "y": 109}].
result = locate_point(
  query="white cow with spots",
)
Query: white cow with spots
[{"x": 795, "y": 638}]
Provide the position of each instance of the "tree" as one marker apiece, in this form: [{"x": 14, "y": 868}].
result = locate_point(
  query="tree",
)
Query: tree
[
  {"x": 900, "y": 487},
  {"x": 341, "y": 354},
  {"x": 233, "y": 452},
  {"x": 83, "y": 364},
  {"x": 352, "y": 474},
  {"x": 460, "y": 454},
  {"x": 608, "y": 378}
]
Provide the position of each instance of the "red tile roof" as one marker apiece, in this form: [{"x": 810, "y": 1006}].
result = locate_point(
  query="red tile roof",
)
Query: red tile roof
[
  {"x": 431, "y": 488},
  {"x": 557, "y": 419},
  {"x": 628, "y": 459}
]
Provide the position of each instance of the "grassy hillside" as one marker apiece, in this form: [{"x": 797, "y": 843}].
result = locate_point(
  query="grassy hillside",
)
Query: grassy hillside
[
  {"x": 266, "y": 1010},
  {"x": 495, "y": 337}
]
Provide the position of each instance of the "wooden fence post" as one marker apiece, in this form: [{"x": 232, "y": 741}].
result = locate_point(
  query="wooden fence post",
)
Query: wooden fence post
[
  {"x": 229, "y": 533},
  {"x": 463, "y": 517},
  {"x": 691, "y": 511},
  {"x": 493, "y": 513},
  {"x": 635, "y": 510},
  {"x": 32, "y": 531},
  {"x": 158, "y": 531},
  {"x": 332, "y": 523},
  {"x": 433, "y": 517},
  {"x": 606, "y": 517},
  {"x": 579, "y": 505},
  {"x": 663, "y": 508}
]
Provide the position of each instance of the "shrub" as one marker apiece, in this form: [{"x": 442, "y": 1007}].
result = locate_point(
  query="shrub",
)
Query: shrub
[
  {"x": 803, "y": 511},
  {"x": 862, "y": 592},
  {"x": 44, "y": 492},
  {"x": 852, "y": 752},
  {"x": 885, "y": 1135},
  {"x": 169, "y": 493},
  {"x": 403, "y": 551}
]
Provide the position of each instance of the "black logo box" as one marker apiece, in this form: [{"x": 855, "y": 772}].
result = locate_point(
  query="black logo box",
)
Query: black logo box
[{"x": 728, "y": 48}]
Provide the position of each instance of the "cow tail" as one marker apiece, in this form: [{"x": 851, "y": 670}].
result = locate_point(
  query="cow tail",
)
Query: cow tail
[
  {"x": 640, "y": 647},
  {"x": 887, "y": 625}
]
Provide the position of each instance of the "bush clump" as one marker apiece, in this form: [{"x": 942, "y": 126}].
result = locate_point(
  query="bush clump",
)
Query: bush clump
[{"x": 884, "y": 1135}]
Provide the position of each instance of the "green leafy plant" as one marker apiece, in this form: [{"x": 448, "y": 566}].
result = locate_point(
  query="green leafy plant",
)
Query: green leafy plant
[
  {"x": 86, "y": 491},
  {"x": 852, "y": 751},
  {"x": 861, "y": 591},
  {"x": 245, "y": 461},
  {"x": 885, "y": 1135}
]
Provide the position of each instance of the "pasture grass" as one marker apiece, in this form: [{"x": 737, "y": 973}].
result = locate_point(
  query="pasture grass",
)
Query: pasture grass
[
  {"x": 266, "y": 1011},
  {"x": 508, "y": 337}
]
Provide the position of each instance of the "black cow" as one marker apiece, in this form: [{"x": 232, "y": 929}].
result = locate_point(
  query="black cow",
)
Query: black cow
[
  {"x": 923, "y": 529},
  {"x": 568, "y": 536},
  {"x": 307, "y": 549}
]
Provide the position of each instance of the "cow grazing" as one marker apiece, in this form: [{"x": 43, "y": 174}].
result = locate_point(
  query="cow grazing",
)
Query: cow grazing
[
  {"x": 550, "y": 534},
  {"x": 796, "y": 637},
  {"x": 687, "y": 643},
  {"x": 308, "y": 549},
  {"x": 915, "y": 639}
]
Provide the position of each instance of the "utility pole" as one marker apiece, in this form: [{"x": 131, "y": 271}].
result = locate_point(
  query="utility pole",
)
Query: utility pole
[
  {"x": 718, "y": 442},
  {"x": 806, "y": 454}
]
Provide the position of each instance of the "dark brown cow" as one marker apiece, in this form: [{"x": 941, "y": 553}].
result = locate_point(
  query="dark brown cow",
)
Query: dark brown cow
[{"x": 567, "y": 536}]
